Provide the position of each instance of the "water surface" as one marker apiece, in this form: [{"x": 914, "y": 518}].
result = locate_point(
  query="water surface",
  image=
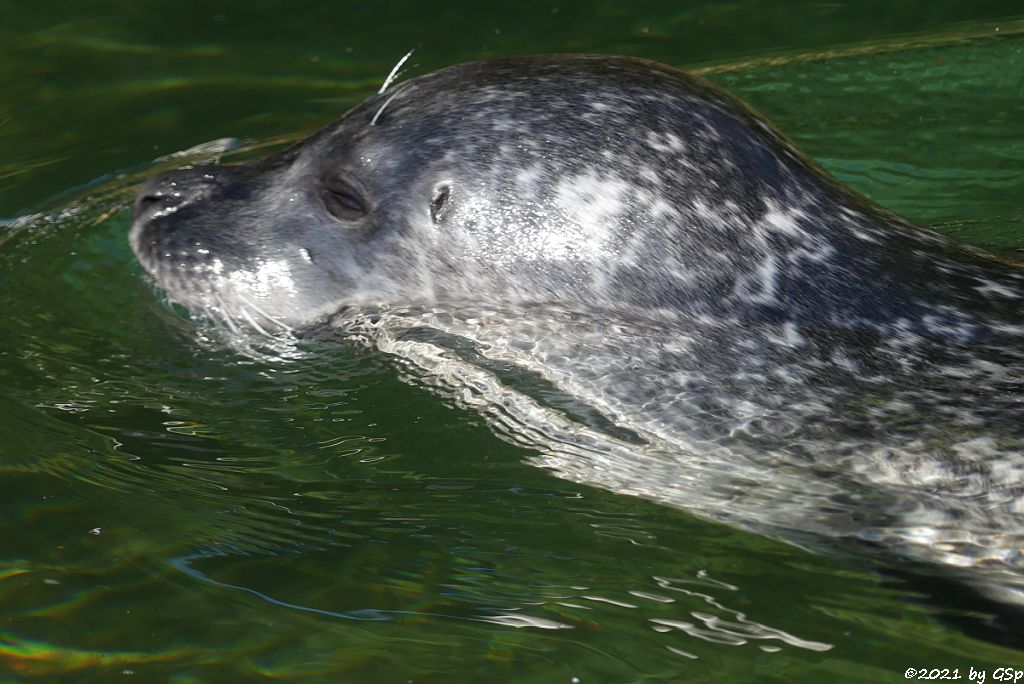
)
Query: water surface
[{"x": 175, "y": 509}]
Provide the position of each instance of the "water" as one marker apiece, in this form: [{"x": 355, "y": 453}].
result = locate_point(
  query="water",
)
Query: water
[{"x": 176, "y": 509}]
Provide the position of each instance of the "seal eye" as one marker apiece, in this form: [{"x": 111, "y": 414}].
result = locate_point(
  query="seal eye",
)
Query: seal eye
[
  {"x": 342, "y": 201},
  {"x": 437, "y": 205}
]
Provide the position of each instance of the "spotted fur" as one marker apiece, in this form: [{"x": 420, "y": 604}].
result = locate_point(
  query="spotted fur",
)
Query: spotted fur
[{"x": 696, "y": 313}]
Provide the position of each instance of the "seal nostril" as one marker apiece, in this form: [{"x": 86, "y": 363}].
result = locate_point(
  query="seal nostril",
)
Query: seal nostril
[
  {"x": 153, "y": 197},
  {"x": 145, "y": 202},
  {"x": 175, "y": 189}
]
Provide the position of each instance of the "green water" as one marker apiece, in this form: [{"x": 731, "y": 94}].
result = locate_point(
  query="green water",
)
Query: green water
[{"x": 173, "y": 510}]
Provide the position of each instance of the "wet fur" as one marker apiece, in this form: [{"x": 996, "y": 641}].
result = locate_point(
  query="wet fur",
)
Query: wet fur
[{"x": 785, "y": 355}]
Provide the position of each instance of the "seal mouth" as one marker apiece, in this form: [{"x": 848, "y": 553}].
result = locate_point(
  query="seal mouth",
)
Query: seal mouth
[
  {"x": 230, "y": 282},
  {"x": 205, "y": 289},
  {"x": 178, "y": 264},
  {"x": 161, "y": 248}
]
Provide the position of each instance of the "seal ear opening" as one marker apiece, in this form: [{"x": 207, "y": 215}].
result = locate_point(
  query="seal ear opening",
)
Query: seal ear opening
[{"x": 439, "y": 203}]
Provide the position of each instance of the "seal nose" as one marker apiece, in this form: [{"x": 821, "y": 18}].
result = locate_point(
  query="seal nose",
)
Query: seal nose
[{"x": 175, "y": 189}]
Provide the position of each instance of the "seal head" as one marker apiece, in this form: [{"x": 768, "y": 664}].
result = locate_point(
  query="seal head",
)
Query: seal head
[{"x": 554, "y": 180}]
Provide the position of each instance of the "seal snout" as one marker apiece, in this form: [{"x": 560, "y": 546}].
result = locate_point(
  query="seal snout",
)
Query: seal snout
[
  {"x": 161, "y": 236},
  {"x": 169, "y": 192}
]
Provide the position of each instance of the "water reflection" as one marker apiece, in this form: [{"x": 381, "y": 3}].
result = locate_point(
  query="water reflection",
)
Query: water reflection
[{"x": 184, "y": 510}]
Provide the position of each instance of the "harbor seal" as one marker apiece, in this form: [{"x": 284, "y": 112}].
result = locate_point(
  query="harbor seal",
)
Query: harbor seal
[{"x": 628, "y": 270}]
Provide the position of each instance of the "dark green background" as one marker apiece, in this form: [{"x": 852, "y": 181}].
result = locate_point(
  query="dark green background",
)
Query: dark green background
[{"x": 174, "y": 510}]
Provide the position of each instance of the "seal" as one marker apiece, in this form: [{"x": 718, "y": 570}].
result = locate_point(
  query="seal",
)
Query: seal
[{"x": 629, "y": 270}]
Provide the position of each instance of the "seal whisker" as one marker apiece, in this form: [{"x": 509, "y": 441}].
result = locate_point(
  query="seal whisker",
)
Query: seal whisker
[
  {"x": 252, "y": 321},
  {"x": 373, "y": 121},
  {"x": 223, "y": 310},
  {"x": 255, "y": 307},
  {"x": 394, "y": 72}
]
